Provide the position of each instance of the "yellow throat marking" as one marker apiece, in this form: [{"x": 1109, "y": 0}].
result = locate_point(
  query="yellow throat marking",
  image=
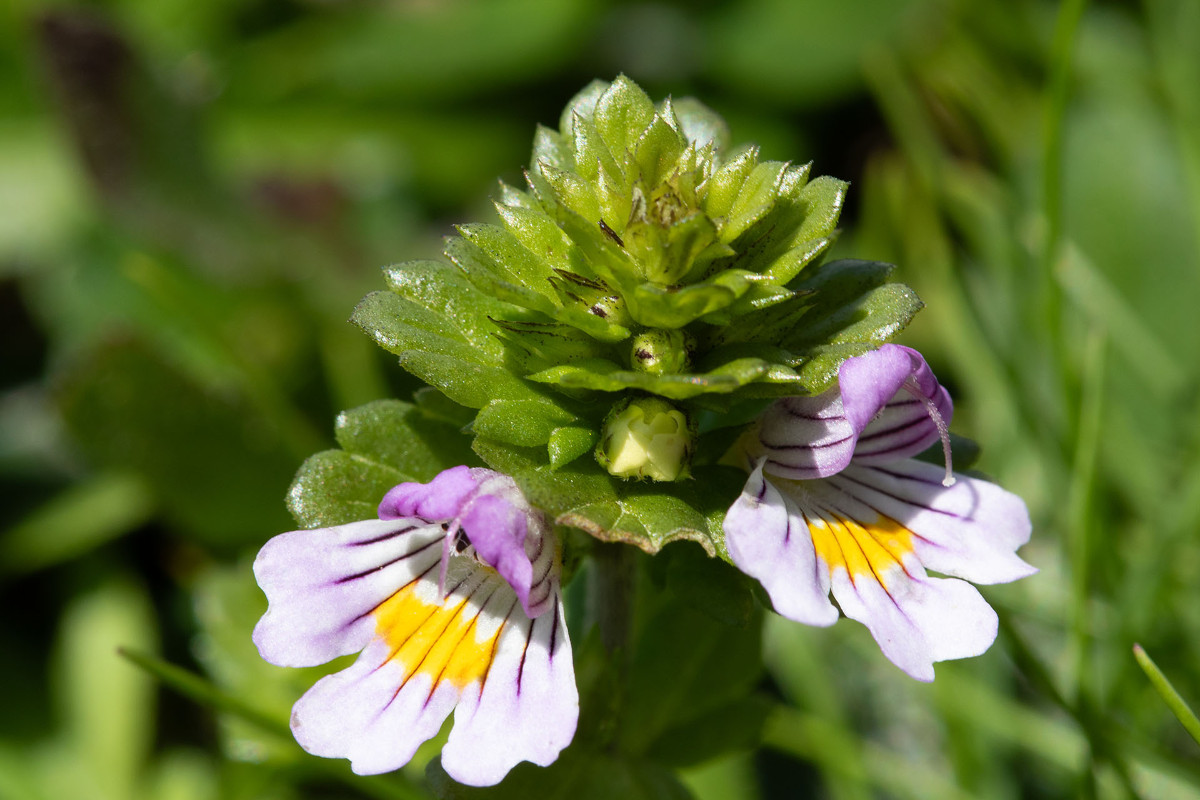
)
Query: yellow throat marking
[
  {"x": 864, "y": 550},
  {"x": 439, "y": 640}
]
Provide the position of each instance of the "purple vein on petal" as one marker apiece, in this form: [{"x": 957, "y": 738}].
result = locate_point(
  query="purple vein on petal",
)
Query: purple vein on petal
[
  {"x": 416, "y": 668},
  {"x": 384, "y": 537},
  {"x": 373, "y": 570}
]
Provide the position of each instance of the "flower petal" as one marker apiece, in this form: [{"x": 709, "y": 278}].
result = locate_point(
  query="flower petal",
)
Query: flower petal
[
  {"x": 917, "y": 620},
  {"x": 441, "y": 499},
  {"x": 970, "y": 530},
  {"x": 804, "y": 437},
  {"x": 427, "y": 651},
  {"x": 498, "y": 521},
  {"x": 878, "y": 580},
  {"x": 359, "y": 714},
  {"x": 526, "y": 709},
  {"x": 884, "y": 398},
  {"x": 444, "y": 606},
  {"x": 768, "y": 539},
  {"x": 489, "y": 508},
  {"x": 322, "y": 585},
  {"x": 879, "y": 413},
  {"x": 541, "y": 550}
]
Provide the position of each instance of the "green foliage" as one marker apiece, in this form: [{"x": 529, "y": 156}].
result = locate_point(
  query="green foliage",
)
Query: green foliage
[
  {"x": 641, "y": 722},
  {"x": 384, "y": 443},
  {"x": 125, "y": 380},
  {"x": 605, "y": 376},
  {"x": 682, "y": 710},
  {"x": 195, "y": 194},
  {"x": 589, "y": 776},
  {"x": 648, "y": 515},
  {"x": 75, "y": 522},
  {"x": 632, "y": 227},
  {"x": 711, "y": 586}
]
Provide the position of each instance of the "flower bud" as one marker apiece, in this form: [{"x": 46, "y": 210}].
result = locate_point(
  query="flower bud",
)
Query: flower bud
[
  {"x": 611, "y": 308},
  {"x": 646, "y": 437},
  {"x": 659, "y": 351}
]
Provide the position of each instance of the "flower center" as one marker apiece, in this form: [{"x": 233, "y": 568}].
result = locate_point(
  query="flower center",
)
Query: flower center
[{"x": 461, "y": 542}]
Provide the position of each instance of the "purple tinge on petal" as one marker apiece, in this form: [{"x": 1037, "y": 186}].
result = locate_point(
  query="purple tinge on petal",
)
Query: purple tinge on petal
[
  {"x": 870, "y": 381},
  {"x": 768, "y": 539},
  {"x": 496, "y": 529},
  {"x": 888, "y": 396},
  {"x": 971, "y": 530},
  {"x": 323, "y": 584},
  {"x": 884, "y": 409},
  {"x": 805, "y": 437},
  {"x": 489, "y": 509},
  {"x": 439, "y": 500}
]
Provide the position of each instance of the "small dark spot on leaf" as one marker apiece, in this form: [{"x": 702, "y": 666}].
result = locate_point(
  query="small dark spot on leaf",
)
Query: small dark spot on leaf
[{"x": 610, "y": 233}]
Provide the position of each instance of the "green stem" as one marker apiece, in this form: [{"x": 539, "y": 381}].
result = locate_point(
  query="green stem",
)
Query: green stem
[
  {"x": 192, "y": 685},
  {"x": 1069, "y": 15},
  {"x": 928, "y": 242},
  {"x": 610, "y": 596},
  {"x": 1172, "y": 698},
  {"x": 197, "y": 688},
  {"x": 1169, "y": 25},
  {"x": 610, "y": 608},
  {"x": 1079, "y": 498},
  {"x": 1058, "y": 93}
]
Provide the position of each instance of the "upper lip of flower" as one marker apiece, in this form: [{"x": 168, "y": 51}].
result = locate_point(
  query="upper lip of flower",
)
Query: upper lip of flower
[
  {"x": 888, "y": 406},
  {"x": 490, "y": 511}
]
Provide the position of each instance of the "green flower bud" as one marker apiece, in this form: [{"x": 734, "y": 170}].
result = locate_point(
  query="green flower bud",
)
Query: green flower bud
[
  {"x": 660, "y": 351},
  {"x": 646, "y": 437},
  {"x": 610, "y": 308}
]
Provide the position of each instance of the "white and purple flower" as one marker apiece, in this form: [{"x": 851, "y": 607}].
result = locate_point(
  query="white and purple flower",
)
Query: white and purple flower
[
  {"x": 835, "y": 502},
  {"x": 453, "y": 597}
]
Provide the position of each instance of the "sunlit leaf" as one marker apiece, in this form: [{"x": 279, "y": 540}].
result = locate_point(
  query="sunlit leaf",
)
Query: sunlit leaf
[
  {"x": 383, "y": 444},
  {"x": 648, "y": 515}
]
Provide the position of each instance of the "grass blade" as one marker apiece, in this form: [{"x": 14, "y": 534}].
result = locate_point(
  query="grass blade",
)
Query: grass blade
[{"x": 1172, "y": 698}]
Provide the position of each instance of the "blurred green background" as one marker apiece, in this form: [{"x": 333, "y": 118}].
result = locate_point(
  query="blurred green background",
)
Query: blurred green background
[{"x": 193, "y": 196}]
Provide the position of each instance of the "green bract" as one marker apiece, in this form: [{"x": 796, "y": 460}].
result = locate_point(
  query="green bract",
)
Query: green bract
[{"x": 644, "y": 257}]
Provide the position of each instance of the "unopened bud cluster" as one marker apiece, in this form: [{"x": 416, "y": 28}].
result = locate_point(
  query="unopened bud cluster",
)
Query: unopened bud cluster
[
  {"x": 646, "y": 264},
  {"x": 654, "y": 240}
]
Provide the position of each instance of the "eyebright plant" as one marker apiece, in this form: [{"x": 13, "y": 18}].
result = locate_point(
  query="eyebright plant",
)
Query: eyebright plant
[{"x": 649, "y": 323}]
